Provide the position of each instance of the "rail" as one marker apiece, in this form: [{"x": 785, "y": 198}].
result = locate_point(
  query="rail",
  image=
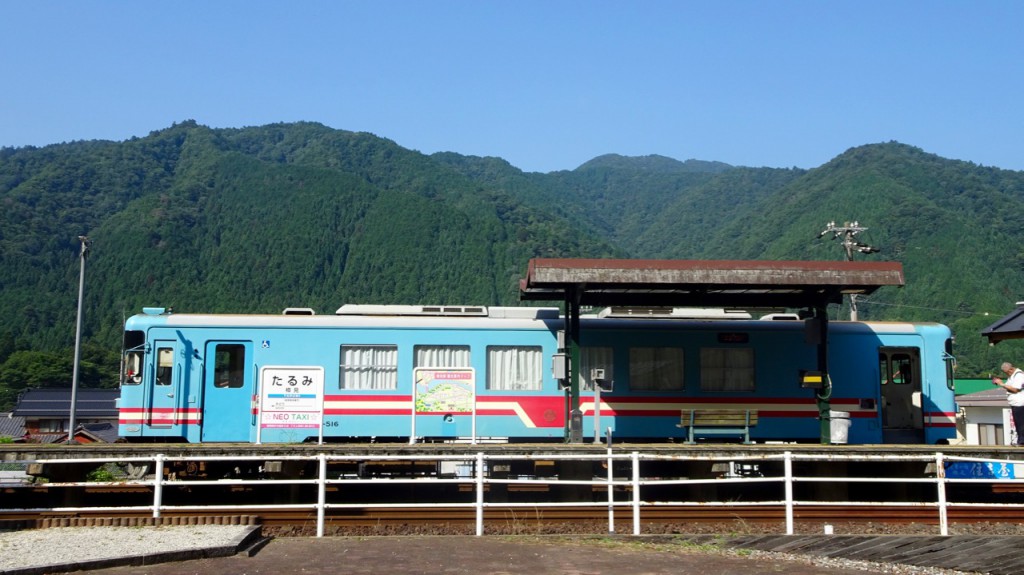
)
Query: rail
[{"x": 623, "y": 474}]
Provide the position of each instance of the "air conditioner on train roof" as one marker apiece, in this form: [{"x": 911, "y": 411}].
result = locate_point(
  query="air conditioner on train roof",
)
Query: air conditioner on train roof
[
  {"x": 425, "y": 310},
  {"x": 780, "y": 317},
  {"x": 674, "y": 313}
]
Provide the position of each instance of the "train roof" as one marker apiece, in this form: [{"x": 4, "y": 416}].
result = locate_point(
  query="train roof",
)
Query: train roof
[{"x": 480, "y": 317}]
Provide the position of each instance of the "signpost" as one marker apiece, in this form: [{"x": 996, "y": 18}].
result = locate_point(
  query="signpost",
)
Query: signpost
[{"x": 291, "y": 398}]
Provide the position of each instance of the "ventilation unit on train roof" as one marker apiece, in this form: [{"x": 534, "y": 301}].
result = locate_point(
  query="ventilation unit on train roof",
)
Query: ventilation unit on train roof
[
  {"x": 674, "y": 313},
  {"x": 298, "y": 311},
  {"x": 524, "y": 312},
  {"x": 425, "y": 310},
  {"x": 781, "y": 317}
]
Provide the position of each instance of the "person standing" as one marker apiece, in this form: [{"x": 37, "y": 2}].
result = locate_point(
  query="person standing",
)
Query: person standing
[{"x": 1014, "y": 386}]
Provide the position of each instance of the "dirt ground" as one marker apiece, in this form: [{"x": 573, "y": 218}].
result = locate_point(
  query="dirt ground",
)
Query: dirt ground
[{"x": 494, "y": 555}]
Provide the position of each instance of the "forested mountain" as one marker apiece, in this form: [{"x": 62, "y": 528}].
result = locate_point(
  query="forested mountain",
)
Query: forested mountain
[{"x": 259, "y": 219}]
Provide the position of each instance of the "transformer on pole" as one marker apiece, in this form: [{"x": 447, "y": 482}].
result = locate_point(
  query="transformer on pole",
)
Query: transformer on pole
[{"x": 848, "y": 234}]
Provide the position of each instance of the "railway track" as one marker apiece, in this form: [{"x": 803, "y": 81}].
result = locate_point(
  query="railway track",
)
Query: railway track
[{"x": 593, "y": 519}]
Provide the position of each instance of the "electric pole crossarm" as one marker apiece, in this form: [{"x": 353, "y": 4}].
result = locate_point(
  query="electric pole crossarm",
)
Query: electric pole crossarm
[{"x": 847, "y": 233}]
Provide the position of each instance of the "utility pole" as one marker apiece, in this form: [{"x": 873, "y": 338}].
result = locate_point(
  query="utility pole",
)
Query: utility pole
[
  {"x": 78, "y": 337},
  {"x": 848, "y": 234}
]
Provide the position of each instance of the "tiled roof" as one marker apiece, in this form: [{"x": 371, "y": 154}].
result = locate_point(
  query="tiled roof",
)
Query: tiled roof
[
  {"x": 11, "y": 425},
  {"x": 56, "y": 402},
  {"x": 46, "y": 438},
  {"x": 1010, "y": 326},
  {"x": 103, "y": 432},
  {"x": 990, "y": 397}
]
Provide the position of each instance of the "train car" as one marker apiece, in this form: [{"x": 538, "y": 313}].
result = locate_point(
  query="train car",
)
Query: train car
[{"x": 414, "y": 373}]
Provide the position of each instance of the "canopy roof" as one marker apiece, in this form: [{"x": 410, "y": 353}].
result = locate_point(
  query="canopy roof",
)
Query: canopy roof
[{"x": 704, "y": 283}]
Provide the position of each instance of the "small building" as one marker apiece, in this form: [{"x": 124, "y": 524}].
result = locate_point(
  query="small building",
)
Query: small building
[
  {"x": 47, "y": 413},
  {"x": 986, "y": 417}
]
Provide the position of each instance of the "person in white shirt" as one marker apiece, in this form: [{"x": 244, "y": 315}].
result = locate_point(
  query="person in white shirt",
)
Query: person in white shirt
[{"x": 1014, "y": 386}]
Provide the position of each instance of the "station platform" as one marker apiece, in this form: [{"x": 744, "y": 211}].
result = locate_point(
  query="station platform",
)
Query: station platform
[{"x": 240, "y": 549}]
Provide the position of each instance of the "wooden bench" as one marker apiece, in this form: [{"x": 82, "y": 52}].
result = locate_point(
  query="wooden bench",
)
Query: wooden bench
[{"x": 717, "y": 422}]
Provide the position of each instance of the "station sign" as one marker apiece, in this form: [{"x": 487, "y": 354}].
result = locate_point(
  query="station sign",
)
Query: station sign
[
  {"x": 291, "y": 397},
  {"x": 984, "y": 470}
]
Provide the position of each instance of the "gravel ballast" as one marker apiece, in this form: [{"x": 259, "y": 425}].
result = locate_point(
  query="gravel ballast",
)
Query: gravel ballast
[{"x": 32, "y": 550}]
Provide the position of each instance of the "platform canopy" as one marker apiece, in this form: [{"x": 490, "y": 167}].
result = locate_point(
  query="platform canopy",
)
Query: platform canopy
[
  {"x": 704, "y": 283},
  {"x": 1010, "y": 326}
]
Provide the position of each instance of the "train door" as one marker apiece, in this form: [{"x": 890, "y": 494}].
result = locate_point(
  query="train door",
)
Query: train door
[
  {"x": 162, "y": 403},
  {"x": 902, "y": 413},
  {"x": 228, "y": 392}
]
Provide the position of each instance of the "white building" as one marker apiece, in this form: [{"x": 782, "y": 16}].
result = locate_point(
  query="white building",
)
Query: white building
[{"x": 985, "y": 418}]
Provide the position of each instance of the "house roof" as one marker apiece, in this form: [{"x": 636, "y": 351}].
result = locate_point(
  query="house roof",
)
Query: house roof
[
  {"x": 11, "y": 425},
  {"x": 56, "y": 402},
  {"x": 994, "y": 397},
  {"x": 1010, "y": 326},
  {"x": 105, "y": 432}
]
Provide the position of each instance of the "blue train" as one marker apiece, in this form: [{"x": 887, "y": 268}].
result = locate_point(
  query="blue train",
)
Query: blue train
[{"x": 409, "y": 373}]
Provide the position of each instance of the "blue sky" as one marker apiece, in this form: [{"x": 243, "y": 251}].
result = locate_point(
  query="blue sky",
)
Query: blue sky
[{"x": 546, "y": 85}]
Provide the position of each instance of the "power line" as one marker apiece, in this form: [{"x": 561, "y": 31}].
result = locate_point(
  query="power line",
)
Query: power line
[{"x": 981, "y": 313}]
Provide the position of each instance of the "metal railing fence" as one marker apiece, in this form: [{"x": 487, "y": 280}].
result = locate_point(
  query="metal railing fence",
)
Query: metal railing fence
[{"x": 471, "y": 475}]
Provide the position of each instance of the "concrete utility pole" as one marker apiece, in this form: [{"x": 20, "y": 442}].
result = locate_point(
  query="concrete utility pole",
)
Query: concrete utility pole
[
  {"x": 78, "y": 338},
  {"x": 848, "y": 233}
]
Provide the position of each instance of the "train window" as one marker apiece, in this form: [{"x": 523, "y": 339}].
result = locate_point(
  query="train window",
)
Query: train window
[
  {"x": 164, "y": 365},
  {"x": 441, "y": 355},
  {"x": 897, "y": 368},
  {"x": 727, "y": 369},
  {"x": 592, "y": 358},
  {"x": 902, "y": 373},
  {"x": 229, "y": 368},
  {"x": 369, "y": 367},
  {"x": 514, "y": 367},
  {"x": 656, "y": 368},
  {"x": 132, "y": 368}
]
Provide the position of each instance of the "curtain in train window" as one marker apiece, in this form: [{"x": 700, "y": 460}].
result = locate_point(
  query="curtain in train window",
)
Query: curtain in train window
[
  {"x": 656, "y": 368},
  {"x": 726, "y": 369},
  {"x": 369, "y": 367},
  {"x": 594, "y": 358},
  {"x": 442, "y": 355},
  {"x": 164, "y": 366},
  {"x": 514, "y": 368}
]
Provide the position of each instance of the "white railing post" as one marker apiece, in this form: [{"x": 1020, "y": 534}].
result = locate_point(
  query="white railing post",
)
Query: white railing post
[
  {"x": 611, "y": 492},
  {"x": 940, "y": 482},
  {"x": 158, "y": 485},
  {"x": 479, "y": 494},
  {"x": 788, "y": 472},
  {"x": 321, "y": 495},
  {"x": 636, "y": 493}
]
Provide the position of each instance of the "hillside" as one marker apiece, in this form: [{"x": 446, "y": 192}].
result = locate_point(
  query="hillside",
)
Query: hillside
[{"x": 259, "y": 219}]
